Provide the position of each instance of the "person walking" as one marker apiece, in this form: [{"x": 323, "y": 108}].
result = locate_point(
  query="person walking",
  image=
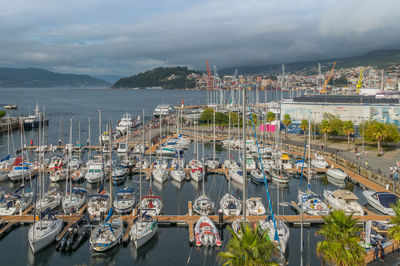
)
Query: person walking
[
  {"x": 382, "y": 251},
  {"x": 376, "y": 252}
]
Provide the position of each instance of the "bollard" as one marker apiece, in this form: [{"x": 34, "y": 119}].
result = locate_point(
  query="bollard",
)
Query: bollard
[
  {"x": 190, "y": 210},
  {"x": 220, "y": 217},
  {"x": 387, "y": 186}
]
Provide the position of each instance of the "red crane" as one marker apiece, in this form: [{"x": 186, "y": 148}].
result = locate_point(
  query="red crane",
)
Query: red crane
[{"x": 209, "y": 77}]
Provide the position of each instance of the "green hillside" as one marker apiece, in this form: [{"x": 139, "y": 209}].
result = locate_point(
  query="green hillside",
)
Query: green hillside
[
  {"x": 35, "y": 77},
  {"x": 166, "y": 77},
  {"x": 379, "y": 58}
]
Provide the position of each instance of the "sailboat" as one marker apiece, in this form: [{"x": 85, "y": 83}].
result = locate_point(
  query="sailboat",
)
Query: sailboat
[
  {"x": 203, "y": 205},
  {"x": 229, "y": 204},
  {"x": 143, "y": 230},
  {"x": 124, "y": 201},
  {"x": 43, "y": 232},
  {"x": 50, "y": 200},
  {"x": 213, "y": 163},
  {"x": 281, "y": 228},
  {"x": 309, "y": 201},
  {"x": 178, "y": 173},
  {"x": 107, "y": 234},
  {"x": 16, "y": 203},
  {"x": 160, "y": 173}
]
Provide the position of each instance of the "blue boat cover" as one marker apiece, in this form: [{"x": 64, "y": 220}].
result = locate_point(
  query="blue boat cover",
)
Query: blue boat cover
[
  {"x": 5, "y": 158},
  {"x": 387, "y": 199}
]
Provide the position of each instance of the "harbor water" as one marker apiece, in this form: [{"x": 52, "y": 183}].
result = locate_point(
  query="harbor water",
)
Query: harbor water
[{"x": 171, "y": 244}]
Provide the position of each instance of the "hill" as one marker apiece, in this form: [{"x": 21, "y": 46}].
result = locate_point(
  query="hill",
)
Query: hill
[
  {"x": 378, "y": 58},
  {"x": 36, "y": 77},
  {"x": 165, "y": 77}
]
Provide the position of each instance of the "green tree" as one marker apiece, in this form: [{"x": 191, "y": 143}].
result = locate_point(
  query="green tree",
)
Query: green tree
[
  {"x": 287, "y": 121},
  {"x": 207, "y": 115},
  {"x": 221, "y": 118},
  {"x": 394, "y": 232},
  {"x": 392, "y": 133},
  {"x": 252, "y": 248},
  {"x": 304, "y": 125},
  {"x": 325, "y": 128},
  {"x": 340, "y": 240},
  {"x": 348, "y": 129},
  {"x": 2, "y": 114}
]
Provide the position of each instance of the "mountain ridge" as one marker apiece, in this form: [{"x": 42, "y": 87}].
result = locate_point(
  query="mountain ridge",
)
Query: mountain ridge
[{"x": 36, "y": 77}]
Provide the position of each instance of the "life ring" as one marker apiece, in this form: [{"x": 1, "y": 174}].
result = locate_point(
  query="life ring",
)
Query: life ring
[{"x": 319, "y": 207}]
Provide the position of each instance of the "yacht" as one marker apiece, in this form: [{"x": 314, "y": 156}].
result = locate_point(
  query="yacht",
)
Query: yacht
[
  {"x": 98, "y": 205},
  {"x": 106, "y": 235},
  {"x": 94, "y": 173},
  {"x": 143, "y": 230},
  {"x": 74, "y": 200},
  {"x": 281, "y": 228},
  {"x": 15, "y": 203},
  {"x": 337, "y": 173},
  {"x": 43, "y": 232},
  {"x": 381, "y": 201},
  {"x": 344, "y": 200},
  {"x": 312, "y": 203},
  {"x": 203, "y": 205},
  {"x": 21, "y": 171},
  {"x": 162, "y": 110},
  {"x": 50, "y": 200},
  {"x": 33, "y": 121},
  {"x": 124, "y": 201}
]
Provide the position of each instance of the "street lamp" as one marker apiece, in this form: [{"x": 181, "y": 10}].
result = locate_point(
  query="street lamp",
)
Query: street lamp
[{"x": 301, "y": 211}]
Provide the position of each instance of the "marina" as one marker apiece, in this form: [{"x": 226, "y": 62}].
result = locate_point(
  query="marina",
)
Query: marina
[{"x": 178, "y": 197}]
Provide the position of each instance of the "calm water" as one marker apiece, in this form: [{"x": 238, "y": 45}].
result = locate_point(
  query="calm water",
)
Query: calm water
[{"x": 171, "y": 245}]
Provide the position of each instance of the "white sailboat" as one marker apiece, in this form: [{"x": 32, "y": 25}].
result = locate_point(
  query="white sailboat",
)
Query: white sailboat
[
  {"x": 255, "y": 206},
  {"x": 43, "y": 232},
  {"x": 124, "y": 201},
  {"x": 281, "y": 229},
  {"x": 143, "y": 230},
  {"x": 106, "y": 235}
]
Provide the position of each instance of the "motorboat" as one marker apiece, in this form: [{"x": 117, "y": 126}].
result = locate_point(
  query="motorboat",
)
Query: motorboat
[
  {"x": 319, "y": 163},
  {"x": 119, "y": 174},
  {"x": 300, "y": 164},
  {"x": 344, "y": 200},
  {"x": 152, "y": 204},
  {"x": 58, "y": 175},
  {"x": 57, "y": 162},
  {"x": 5, "y": 164},
  {"x": 279, "y": 178},
  {"x": 250, "y": 163},
  {"x": 50, "y": 200},
  {"x": 381, "y": 201},
  {"x": 230, "y": 205},
  {"x": 162, "y": 110},
  {"x": 98, "y": 205},
  {"x": 142, "y": 164},
  {"x": 74, "y": 200},
  {"x": 33, "y": 121},
  {"x": 124, "y": 201},
  {"x": 286, "y": 164},
  {"x": 337, "y": 173},
  {"x": 143, "y": 230},
  {"x": 43, "y": 232},
  {"x": 106, "y": 235},
  {"x": 203, "y": 205},
  {"x": 94, "y": 173},
  {"x": 281, "y": 239},
  {"x": 206, "y": 233},
  {"x": 255, "y": 206},
  {"x": 75, "y": 235},
  {"x": 312, "y": 203},
  {"x": 257, "y": 176},
  {"x": 125, "y": 124}
]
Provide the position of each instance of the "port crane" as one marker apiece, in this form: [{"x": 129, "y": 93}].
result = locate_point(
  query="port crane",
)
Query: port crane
[
  {"x": 323, "y": 91},
  {"x": 359, "y": 84}
]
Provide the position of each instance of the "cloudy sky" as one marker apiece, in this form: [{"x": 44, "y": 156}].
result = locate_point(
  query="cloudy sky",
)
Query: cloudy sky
[{"x": 123, "y": 37}]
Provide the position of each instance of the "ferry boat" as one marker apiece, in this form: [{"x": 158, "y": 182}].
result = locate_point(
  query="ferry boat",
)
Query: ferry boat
[
  {"x": 162, "y": 110},
  {"x": 33, "y": 121}
]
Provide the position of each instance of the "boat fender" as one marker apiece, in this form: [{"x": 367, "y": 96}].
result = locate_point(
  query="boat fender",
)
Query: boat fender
[{"x": 319, "y": 207}]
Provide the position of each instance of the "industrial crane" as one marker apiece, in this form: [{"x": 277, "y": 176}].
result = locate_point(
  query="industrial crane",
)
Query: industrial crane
[
  {"x": 323, "y": 91},
  {"x": 359, "y": 84}
]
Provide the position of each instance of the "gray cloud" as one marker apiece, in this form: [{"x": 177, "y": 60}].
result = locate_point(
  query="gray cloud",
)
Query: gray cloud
[{"x": 125, "y": 37}]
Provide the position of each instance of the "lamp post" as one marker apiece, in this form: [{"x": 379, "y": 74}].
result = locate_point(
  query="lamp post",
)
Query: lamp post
[{"x": 301, "y": 211}]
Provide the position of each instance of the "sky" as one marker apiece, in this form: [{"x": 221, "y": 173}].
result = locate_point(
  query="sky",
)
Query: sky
[{"x": 124, "y": 37}]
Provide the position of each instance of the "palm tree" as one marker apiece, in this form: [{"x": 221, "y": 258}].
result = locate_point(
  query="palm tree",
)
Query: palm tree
[
  {"x": 287, "y": 121},
  {"x": 325, "y": 128},
  {"x": 348, "y": 129},
  {"x": 340, "y": 244},
  {"x": 304, "y": 125},
  {"x": 252, "y": 248},
  {"x": 379, "y": 133},
  {"x": 394, "y": 232},
  {"x": 270, "y": 118}
]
